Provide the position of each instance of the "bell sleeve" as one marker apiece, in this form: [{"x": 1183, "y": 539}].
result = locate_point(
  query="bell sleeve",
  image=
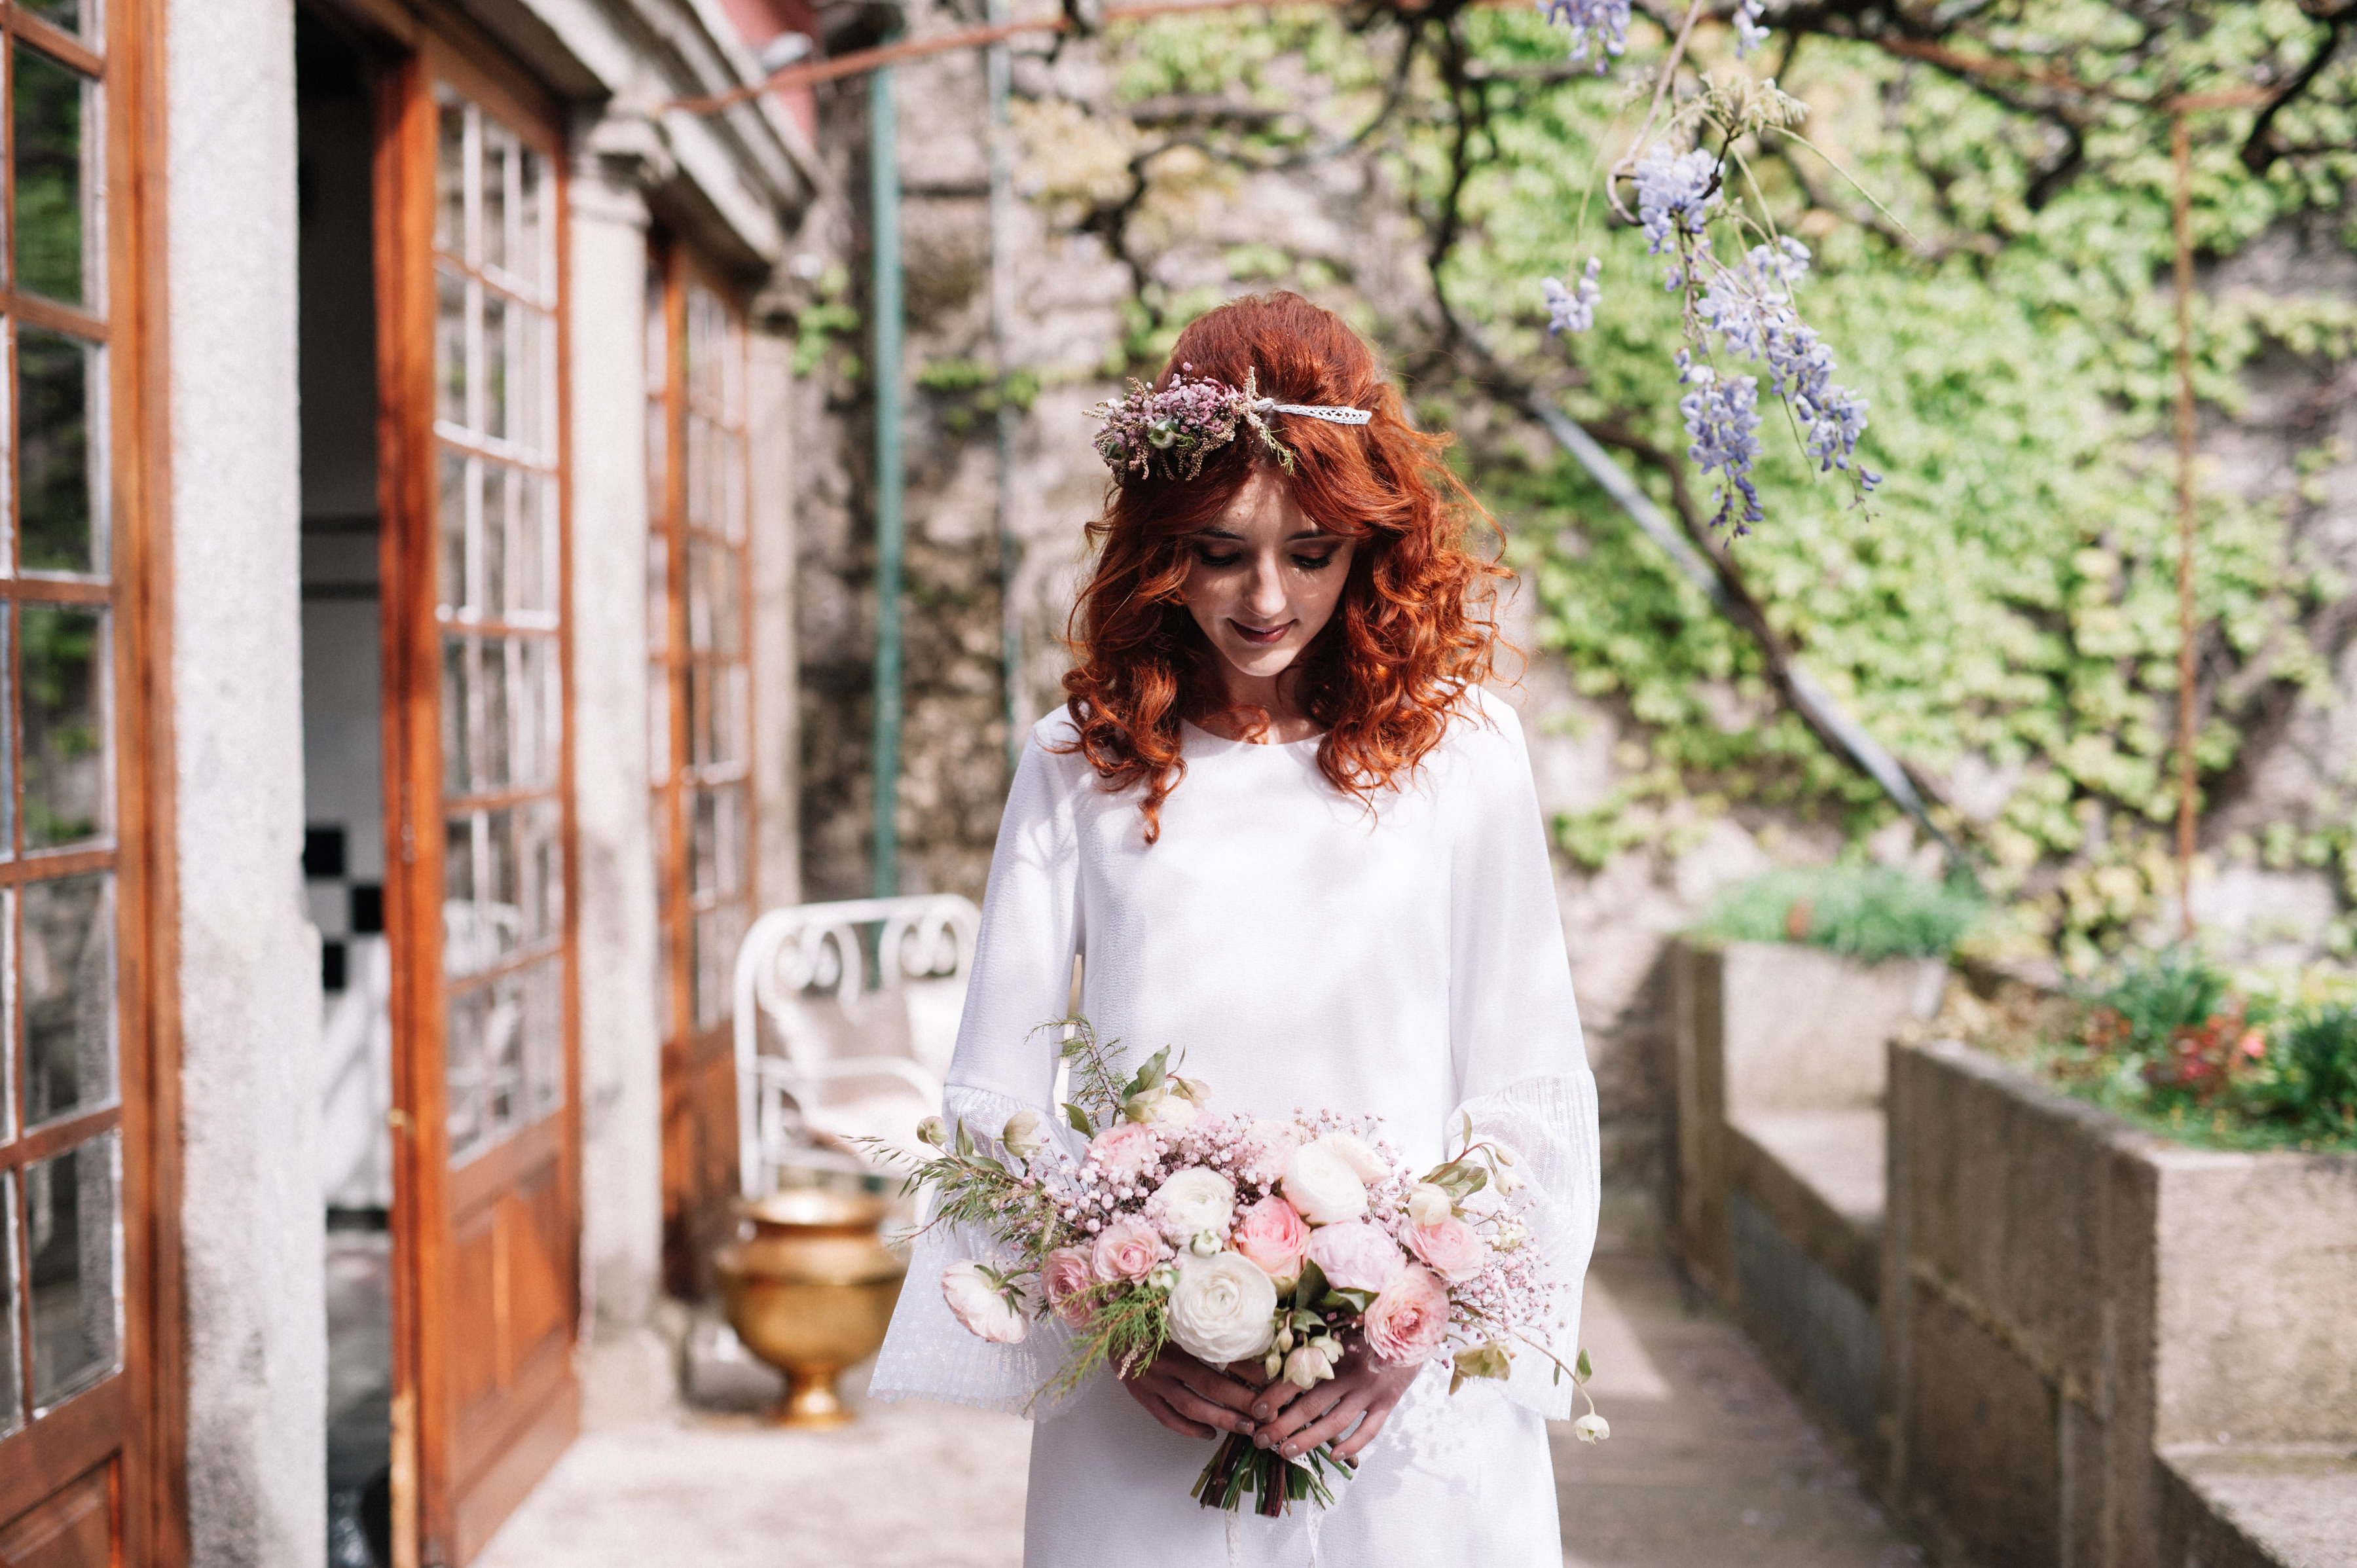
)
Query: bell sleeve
[
  {"x": 1021, "y": 979},
  {"x": 1521, "y": 1063}
]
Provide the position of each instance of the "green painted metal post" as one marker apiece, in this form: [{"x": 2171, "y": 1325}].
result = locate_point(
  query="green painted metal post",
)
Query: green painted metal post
[{"x": 884, "y": 225}]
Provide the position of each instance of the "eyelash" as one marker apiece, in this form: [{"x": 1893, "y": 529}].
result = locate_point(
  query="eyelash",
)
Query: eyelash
[{"x": 1305, "y": 562}]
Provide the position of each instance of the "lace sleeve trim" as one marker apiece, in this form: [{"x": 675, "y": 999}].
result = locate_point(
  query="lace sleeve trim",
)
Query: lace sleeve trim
[
  {"x": 928, "y": 1353},
  {"x": 1551, "y": 1124}
]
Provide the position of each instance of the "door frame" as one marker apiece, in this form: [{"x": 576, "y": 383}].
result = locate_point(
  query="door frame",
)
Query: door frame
[{"x": 436, "y": 1520}]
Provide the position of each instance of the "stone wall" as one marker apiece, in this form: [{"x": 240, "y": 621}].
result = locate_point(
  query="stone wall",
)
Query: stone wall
[{"x": 1096, "y": 260}]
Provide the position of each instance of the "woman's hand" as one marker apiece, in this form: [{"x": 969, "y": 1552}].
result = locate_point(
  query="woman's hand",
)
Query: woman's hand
[
  {"x": 1364, "y": 1389},
  {"x": 1192, "y": 1398}
]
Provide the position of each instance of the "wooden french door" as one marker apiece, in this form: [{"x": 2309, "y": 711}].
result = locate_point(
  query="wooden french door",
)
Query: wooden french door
[
  {"x": 699, "y": 725},
  {"x": 90, "y": 1414},
  {"x": 485, "y": 1214}
]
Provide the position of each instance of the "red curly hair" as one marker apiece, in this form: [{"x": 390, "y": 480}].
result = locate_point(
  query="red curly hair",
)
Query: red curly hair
[{"x": 1415, "y": 627}]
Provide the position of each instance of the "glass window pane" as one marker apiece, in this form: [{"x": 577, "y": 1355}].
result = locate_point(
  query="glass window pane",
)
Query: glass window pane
[
  {"x": 12, "y": 1373},
  {"x": 451, "y": 177},
  {"x": 60, "y": 502},
  {"x": 457, "y": 754},
  {"x": 77, "y": 1295},
  {"x": 463, "y": 1077},
  {"x": 539, "y": 714},
  {"x": 497, "y": 322},
  {"x": 458, "y": 474},
  {"x": 533, "y": 569},
  {"x": 46, "y": 102},
  {"x": 717, "y": 842},
  {"x": 543, "y": 1038},
  {"x": 498, "y": 148},
  {"x": 65, "y": 731},
  {"x": 543, "y": 872},
  {"x": 67, "y": 15},
  {"x": 496, "y": 762},
  {"x": 470, "y": 942},
  {"x": 531, "y": 262},
  {"x": 7, "y": 1022},
  {"x": 498, "y": 483},
  {"x": 503, "y": 1097},
  {"x": 503, "y": 910},
  {"x": 68, "y": 995},
  {"x": 450, "y": 347}
]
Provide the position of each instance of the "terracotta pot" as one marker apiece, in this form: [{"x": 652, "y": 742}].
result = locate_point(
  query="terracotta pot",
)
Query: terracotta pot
[{"x": 810, "y": 1292}]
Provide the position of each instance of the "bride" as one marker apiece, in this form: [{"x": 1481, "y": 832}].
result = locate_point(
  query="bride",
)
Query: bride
[{"x": 1291, "y": 837}]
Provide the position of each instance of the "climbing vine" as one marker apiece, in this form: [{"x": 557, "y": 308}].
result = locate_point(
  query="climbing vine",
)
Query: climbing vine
[{"x": 1992, "y": 254}]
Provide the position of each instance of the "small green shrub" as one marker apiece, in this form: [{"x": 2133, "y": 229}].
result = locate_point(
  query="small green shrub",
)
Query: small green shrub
[
  {"x": 1862, "y": 911},
  {"x": 2175, "y": 1044}
]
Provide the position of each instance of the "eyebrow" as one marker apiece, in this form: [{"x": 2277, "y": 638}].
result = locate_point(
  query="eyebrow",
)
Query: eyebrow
[{"x": 1290, "y": 539}]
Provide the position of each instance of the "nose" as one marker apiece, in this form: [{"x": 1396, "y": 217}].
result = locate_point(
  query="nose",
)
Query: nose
[{"x": 1264, "y": 595}]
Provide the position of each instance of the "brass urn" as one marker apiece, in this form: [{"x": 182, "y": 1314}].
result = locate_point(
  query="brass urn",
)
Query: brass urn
[{"x": 810, "y": 1292}]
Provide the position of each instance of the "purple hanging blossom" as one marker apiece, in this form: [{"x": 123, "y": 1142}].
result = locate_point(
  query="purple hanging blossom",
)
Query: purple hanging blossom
[
  {"x": 1751, "y": 309},
  {"x": 1599, "y": 28},
  {"x": 1750, "y": 34},
  {"x": 1675, "y": 192},
  {"x": 1573, "y": 309},
  {"x": 1722, "y": 419}
]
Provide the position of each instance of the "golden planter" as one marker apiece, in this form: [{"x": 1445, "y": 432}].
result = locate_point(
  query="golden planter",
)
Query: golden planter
[{"x": 811, "y": 1292}]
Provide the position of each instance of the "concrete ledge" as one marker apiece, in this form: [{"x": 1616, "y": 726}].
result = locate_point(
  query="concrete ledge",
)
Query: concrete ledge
[
  {"x": 1819, "y": 1176},
  {"x": 2244, "y": 1507}
]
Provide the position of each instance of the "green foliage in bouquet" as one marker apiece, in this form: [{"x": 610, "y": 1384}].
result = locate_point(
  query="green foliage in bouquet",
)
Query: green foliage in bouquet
[
  {"x": 1866, "y": 912},
  {"x": 2175, "y": 1044}
]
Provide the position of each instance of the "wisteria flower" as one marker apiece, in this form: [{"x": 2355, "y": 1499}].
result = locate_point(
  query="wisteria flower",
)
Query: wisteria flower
[
  {"x": 1675, "y": 192},
  {"x": 1573, "y": 309},
  {"x": 1599, "y": 28}
]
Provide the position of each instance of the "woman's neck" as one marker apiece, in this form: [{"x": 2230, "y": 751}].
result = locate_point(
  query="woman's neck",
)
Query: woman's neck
[{"x": 1281, "y": 719}]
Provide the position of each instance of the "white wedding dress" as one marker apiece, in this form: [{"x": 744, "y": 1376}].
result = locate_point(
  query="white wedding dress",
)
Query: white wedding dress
[{"x": 1295, "y": 952}]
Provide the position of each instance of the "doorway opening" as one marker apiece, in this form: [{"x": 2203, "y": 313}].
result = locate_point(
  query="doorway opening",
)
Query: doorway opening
[{"x": 343, "y": 758}]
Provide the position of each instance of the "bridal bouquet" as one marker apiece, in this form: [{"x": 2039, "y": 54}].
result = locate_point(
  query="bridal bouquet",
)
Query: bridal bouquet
[{"x": 1286, "y": 1243}]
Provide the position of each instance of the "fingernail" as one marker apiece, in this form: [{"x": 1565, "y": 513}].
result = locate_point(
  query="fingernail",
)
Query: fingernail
[
  {"x": 1290, "y": 1451},
  {"x": 1261, "y": 1410},
  {"x": 1244, "y": 1426}
]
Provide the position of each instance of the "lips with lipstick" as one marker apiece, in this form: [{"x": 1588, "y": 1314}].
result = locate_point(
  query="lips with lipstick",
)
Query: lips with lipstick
[{"x": 1258, "y": 638}]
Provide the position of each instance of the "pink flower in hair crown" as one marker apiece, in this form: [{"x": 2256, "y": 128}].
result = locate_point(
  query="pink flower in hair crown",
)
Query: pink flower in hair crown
[{"x": 1168, "y": 434}]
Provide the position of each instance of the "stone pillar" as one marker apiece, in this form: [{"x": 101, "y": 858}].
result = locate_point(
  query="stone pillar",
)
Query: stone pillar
[
  {"x": 777, "y": 869},
  {"x": 621, "y": 1043},
  {"x": 249, "y": 961}
]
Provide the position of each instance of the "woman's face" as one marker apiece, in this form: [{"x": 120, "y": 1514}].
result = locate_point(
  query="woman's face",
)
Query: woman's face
[{"x": 1264, "y": 578}]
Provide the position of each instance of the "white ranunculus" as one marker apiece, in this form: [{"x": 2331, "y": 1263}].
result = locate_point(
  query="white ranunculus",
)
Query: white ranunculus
[
  {"x": 1320, "y": 1183},
  {"x": 1427, "y": 1204},
  {"x": 1364, "y": 1162},
  {"x": 974, "y": 1297},
  {"x": 1223, "y": 1309},
  {"x": 1169, "y": 1110},
  {"x": 1025, "y": 1134},
  {"x": 1193, "y": 1202}
]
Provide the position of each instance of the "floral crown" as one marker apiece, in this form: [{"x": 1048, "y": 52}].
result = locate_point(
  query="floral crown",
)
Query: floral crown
[{"x": 1168, "y": 434}]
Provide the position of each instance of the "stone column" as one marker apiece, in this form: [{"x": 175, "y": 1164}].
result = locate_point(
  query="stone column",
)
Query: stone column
[
  {"x": 621, "y": 1043},
  {"x": 776, "y": 744},
  {"x": 249, "y": 961}
]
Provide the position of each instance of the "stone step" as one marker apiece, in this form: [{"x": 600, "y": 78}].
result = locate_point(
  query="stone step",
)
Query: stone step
[{"x": 2259, "y": 1507}]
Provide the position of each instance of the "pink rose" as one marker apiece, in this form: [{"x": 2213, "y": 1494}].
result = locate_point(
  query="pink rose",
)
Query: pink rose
[
  {"x": 1454, "y": 1249},
  {"x": 1407, "y": 1323},
  {"x": 1124, "y": 1149},
  {"x": 1065, "y": 1276},
  {"x": 1271, "y": 1233},
  {"x": 1356, "y": 1255},
  {"x": 1126, "y": 1250}
]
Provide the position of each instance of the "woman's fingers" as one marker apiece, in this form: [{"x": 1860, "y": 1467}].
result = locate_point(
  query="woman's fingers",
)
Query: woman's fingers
[
  {"x": 1195, "y": 1407},
  {"x": 1279, "y": 1429},
  {"x": 1378, "y": 1412},
  {"x": 1160, "y": 1409},
  {"x": 1211, "y": 1384},
  {"x": 1267, "y": 1402},
  {"x": 1331, "y": 1426}
]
